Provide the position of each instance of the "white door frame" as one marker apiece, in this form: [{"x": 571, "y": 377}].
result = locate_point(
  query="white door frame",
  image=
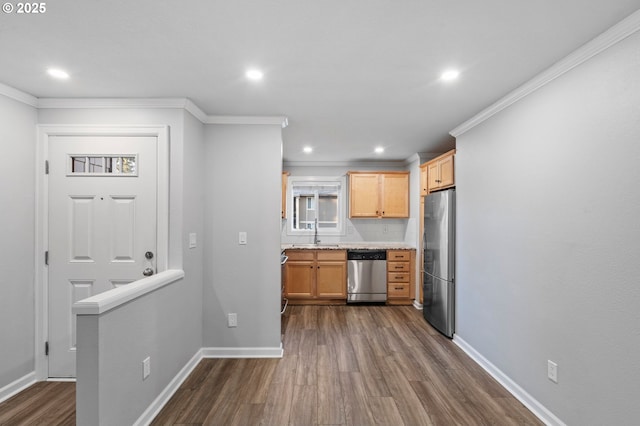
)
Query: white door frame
[{"x": 42, "y": 211}]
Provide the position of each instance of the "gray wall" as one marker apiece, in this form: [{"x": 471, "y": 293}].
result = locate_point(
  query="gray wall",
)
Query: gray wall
[
  {"x": 17, "y": 186},
  {"x": 548, "y": 239},
  {"x": 243, "y": 184}
]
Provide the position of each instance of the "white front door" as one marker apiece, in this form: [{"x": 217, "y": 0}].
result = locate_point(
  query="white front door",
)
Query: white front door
[{"x": 102, "y": 227}]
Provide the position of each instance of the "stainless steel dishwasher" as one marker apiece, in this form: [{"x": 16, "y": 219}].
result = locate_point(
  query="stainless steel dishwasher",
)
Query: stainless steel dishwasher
[{"x": 366, "y": 276}]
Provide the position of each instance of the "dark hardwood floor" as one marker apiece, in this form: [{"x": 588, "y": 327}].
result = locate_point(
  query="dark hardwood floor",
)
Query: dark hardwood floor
[{"x": 343, "y": 365}]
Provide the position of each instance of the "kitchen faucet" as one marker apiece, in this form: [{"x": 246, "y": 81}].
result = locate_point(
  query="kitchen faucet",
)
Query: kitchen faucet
[{"x": 315, "y": 234}]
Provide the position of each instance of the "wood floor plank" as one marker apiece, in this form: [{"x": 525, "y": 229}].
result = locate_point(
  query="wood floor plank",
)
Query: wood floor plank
[
  {"x": 356, "y": 401},
  {"x": 409, "y": 405},
  {"x": 277, "y": 409},
  {"x": 330, "y": 400},
  {"x": 385, "y": 411},
  {"x": 368, "y": 365},
  {"x": 304, "y": 407}
]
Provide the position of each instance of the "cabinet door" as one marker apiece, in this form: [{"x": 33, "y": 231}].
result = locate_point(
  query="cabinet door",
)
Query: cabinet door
[
  {"x": 446, "y": 171},
  {"x": 331, "y": 279},
  {"x": 395, "y": 195},
  {"x": 434, "y": 176},
  {"x": 424, "y": 180},
  {"x": 299, "y": 279},
  {"x": 363, "y": 195}
]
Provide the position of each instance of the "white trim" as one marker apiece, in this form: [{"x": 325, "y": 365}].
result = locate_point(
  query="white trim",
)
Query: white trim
[
  {"x": 618, "y": 32},
  {"x": 237, "y": 119},
  {"x": 112, "y": 103},
  {"x": 191, "y": 107},
  {"x": 399, "y": 164},
  {"x": 104, "y": 302},
  {"x": 44, "y": 131},
  {"x": 521, "y": 395},
  {"x": 243, "y": 352},
  {"x": 130, "y": 103},
  {"x": 161, "y": 400},
  {"x": 17, "y": 386},
  {"x": 18, "y": 95},
  {"x": 417, "y": 305}
]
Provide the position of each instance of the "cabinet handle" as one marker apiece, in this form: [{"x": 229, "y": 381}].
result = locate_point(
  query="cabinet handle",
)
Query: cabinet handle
[
  {"x": 398, "y": 278},
  {"x": 399, "y": 267},
  {"x": 399, "y": 288}
]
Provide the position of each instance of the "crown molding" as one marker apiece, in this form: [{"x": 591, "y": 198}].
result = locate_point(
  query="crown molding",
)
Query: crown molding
[
  {"x": 128, "y": 103},
  {"x": 18, "y": 95},
  {"x": 353, "y": 164},
  {"x": 114, "y": 103},
  {"x": 195, "y": 110},
  {"x": 613, "y": 35},
  {"x": 240, "y": 119}
]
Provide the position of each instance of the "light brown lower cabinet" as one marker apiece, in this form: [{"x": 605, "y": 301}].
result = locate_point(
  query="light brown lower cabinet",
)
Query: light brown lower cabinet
[
  {"x": 320, "y": 276},
  {"x": 400, "y": 277},
  {"x": 316, "y": 276}
]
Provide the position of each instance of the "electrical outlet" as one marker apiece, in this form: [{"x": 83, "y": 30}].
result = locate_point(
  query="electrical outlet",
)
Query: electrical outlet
[
  {"x": 232, "y": 320},
  {"x": 193, "y": 242},
  {"x": 242, "y": 238},
  {"x": 146, "y": 367},
  {"x": 552, "y": 371}
]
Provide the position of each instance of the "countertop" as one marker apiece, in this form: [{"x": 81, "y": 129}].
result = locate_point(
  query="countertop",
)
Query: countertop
[{"x": 347, "y": 246}]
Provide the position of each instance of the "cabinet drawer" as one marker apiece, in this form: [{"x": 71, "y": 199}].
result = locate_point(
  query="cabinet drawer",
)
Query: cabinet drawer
[
  {"x": 398, "y": 255},
  {"x": 398, "y": 267},
  {"x": 395, "y": 291},
  {"x": 300, "y": 254},
  {"x": 398, "y": 277},
  {"x": 332, "y": 254}
]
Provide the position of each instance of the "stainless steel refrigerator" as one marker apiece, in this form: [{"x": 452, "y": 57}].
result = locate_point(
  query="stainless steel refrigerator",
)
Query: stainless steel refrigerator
[{"x": 439, "y": 261}]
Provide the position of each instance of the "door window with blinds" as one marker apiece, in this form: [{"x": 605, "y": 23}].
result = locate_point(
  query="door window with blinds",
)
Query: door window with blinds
[{"x": 316, "y": 202}]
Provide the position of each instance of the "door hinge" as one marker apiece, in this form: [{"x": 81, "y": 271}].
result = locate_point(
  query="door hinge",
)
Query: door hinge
[
  {"x": 46, "y": 348},
  {"x": 46, "y": 167},
  {"x": 46, "y": 257}
]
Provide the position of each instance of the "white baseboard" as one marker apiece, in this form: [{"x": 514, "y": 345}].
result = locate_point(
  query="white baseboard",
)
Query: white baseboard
[
  {"x": 16, "y": 386},
  {"x": 521, "y": 395},
  {"x": 417, "y": 305},
  {"x": 152, "y": 410},
  {"x": 243, "y": 352}
]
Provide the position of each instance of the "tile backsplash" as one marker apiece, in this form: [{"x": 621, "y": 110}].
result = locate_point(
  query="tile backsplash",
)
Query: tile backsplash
[{"x": 358, "y": 230}]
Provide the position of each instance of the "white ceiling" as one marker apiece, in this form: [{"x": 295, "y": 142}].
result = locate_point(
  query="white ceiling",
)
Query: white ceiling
[{"x": 349, "y": 74}]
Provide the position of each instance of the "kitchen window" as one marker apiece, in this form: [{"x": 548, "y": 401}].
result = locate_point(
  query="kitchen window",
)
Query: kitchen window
[{"x": 316, "y": 200}]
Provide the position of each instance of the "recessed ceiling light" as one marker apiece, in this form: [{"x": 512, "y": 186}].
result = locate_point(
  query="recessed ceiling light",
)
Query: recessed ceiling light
[
  {"x": 379, "y": 150},
  {"x": 58, "y": 73},
  {"x": 254, "y": 74},
  {"x": 307, "y": 149},
  {"x": 450, "y": 75}
]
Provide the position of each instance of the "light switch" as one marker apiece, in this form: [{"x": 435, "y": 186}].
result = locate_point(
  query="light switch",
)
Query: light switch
[
  {"x": 192, "y": 240},
  {"x": 242, "y": 238}
]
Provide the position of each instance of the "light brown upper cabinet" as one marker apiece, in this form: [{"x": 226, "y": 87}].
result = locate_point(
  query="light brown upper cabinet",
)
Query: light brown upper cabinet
[
  {"x": 285, "y": 175},
  {"x": 424, "y": 180},
  {"x": 440, "y": 171},
  {"x": 378, "y": 194}
]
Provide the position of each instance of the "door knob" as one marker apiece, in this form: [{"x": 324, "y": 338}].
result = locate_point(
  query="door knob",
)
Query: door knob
[
  {"x": 149, "y": 255},
  {"x": 147, "y": 272}
]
